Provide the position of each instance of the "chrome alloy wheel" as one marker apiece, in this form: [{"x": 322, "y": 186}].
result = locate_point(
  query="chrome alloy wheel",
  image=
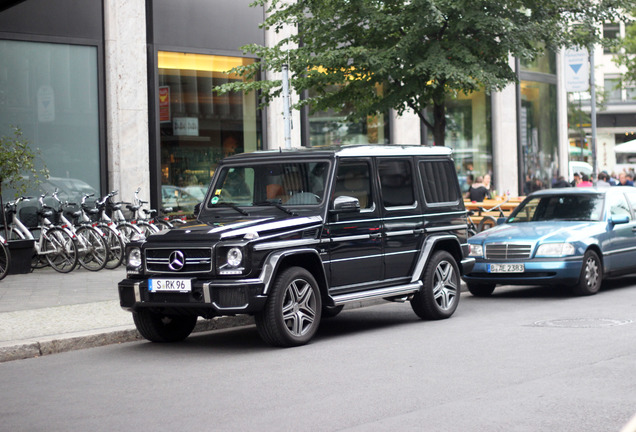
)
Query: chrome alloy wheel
[
  {"x": 299, "y": 307},
  {"x": 445, "y": 289},
  {"x": 591, "y": 274}
]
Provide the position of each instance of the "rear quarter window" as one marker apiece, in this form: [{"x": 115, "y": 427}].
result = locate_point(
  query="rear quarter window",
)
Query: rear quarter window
[{"x": 439, "y": 182}]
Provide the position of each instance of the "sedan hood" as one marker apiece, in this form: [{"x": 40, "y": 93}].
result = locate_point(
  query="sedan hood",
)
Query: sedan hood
[{"x": 524, "y": 232}]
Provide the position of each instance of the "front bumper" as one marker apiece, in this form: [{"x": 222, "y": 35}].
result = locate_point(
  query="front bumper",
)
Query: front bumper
[
  {"x": 537, "y": 272},
  {"x": 208, "y": 298}
]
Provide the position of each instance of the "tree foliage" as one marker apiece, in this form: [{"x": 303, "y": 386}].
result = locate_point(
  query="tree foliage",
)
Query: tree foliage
[
  {"x": 17, "y": 163},
  {"x": 626, "y": 51},
  {"x": 378, "y": 55}
]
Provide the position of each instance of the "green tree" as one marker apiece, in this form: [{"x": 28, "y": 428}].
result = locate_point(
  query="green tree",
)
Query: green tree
[
  {"x": 383, "y": 54},
  {"x": 626, "y": 51}
]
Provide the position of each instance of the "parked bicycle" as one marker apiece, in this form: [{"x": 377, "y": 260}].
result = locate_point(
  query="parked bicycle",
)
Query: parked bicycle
[
  {"x": 5, "y": 258},
  {"x": 54, "y": 245},
  {"x": 114, "y": 238},
  {"x": 126, "y": 229},
  {"x": 91, "y": 241}
]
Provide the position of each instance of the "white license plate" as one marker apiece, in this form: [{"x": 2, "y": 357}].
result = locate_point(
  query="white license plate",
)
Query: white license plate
[
  {"x": 180, "y": 285},
  {"x": 506, "y": 268}
]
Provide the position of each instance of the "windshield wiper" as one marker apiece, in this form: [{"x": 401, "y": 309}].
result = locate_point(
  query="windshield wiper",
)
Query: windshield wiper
[
  {"x": 277, "y": 205},
  {"x": 233, "y": 206}
]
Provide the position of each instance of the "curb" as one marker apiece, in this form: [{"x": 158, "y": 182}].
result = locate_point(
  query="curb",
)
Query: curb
[{"x": 33, "y": 348}]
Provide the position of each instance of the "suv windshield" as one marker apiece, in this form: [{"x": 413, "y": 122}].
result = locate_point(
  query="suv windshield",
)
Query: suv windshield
[
  {"x": 289, "y": 184},
  {"x": 560, "y": 208}
]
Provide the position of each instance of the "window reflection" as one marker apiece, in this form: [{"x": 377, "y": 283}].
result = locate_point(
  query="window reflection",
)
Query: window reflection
[{"x": 199, "y": 127}]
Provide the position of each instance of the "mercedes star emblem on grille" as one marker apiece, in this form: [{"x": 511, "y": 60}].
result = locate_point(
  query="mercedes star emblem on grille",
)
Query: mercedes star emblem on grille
[{"x": 176, "y": 261}]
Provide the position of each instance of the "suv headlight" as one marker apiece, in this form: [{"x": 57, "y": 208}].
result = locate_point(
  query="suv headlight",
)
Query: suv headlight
[
  {"x": 134, "y": 259},
  {"x": 231, "y": 261},
  {"x": 476, "y": 250},
  {"x": 234, "y": 257},
  {"x": 555, "y": 249}
]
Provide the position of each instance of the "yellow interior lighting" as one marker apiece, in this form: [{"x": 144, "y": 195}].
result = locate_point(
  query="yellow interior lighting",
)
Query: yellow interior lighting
[{"x": 199, "y": 62}]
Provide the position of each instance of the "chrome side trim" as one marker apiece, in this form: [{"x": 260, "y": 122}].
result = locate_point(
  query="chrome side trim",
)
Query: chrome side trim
[
  {"x": 378, "y": 293},
  {"x": 401, "y": 252},
  {"x": 446, "y": 228},
  {"x": 349, "y": 238},
  {"x": 354, "y": 258},
  {"x": 398, "y": 233},
  {"x": 619, "y": 251}
]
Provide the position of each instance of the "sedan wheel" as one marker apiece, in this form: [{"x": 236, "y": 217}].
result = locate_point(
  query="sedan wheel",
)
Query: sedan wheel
[{"x": 591, "y": 275}]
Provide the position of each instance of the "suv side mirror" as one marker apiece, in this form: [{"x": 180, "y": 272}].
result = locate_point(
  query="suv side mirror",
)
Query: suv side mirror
[{"x": 346, "y": 204}]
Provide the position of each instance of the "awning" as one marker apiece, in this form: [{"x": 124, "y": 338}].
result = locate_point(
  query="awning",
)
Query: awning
[
  {"x": 628, "y": 147},
  {"x": 574, "y": 151}
]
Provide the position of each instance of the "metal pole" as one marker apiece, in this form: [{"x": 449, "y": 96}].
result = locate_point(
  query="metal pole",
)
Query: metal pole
[
  {"x": 286, "y": 109},
  {"x": 593, "y": 114}
]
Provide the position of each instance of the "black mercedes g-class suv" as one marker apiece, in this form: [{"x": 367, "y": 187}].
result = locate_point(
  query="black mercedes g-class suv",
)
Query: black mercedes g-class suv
[{"x": 292, "y": 236}]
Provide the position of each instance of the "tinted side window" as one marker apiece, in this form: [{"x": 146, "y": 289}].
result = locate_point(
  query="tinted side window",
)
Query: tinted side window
[
  {"x": 354, "y": 180},
  {"x": 439, "y": 181},
  {"x": 396, "y": 180}
]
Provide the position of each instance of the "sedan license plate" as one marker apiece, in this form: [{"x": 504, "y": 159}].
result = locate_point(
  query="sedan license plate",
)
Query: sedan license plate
[
  {"x": 179, "y": 285},
  {"x": 506, "y": 268}
]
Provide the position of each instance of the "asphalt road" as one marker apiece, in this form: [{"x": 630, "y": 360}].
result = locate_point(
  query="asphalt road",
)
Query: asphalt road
[{"x": 526, "y": 359}]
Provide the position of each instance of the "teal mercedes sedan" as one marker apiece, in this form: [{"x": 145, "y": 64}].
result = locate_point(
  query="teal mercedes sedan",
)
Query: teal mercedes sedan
[{"x": 575, "y": 237}]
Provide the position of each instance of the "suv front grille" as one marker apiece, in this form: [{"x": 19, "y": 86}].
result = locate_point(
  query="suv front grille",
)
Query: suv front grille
[
  {"x": 195, "y": 260},
  {"x": 508, "y": 251}
]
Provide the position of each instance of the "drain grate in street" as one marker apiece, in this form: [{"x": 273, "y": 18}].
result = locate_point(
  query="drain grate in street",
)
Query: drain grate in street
[{"x": 582, "y": 323}]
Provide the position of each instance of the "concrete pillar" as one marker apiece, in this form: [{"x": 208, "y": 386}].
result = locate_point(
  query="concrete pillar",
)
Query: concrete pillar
[
  {"x": 504, "y": 141},
  {"x": 126, "y": 97}
]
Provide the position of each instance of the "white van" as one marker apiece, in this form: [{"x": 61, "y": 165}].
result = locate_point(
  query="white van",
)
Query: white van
[{"x": 579, "y": 167}]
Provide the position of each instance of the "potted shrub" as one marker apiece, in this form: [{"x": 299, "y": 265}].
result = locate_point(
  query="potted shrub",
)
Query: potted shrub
[{"x": 18, "y": 172}]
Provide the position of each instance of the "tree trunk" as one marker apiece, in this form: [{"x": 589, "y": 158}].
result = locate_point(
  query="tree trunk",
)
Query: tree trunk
[{"x": 439, "y": 123}]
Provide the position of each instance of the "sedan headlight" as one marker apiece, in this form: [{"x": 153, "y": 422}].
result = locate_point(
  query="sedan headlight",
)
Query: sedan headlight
[
  {"x": 555, "y": 249},
  {"x": 476, "y": 250},
  {"x": 134, "y": 258}
]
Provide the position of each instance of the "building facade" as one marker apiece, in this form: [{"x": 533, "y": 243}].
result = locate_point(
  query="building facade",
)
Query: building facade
[{"x": 117, "y": 94}]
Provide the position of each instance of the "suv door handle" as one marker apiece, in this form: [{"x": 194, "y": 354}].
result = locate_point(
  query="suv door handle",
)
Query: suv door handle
[
  {"x": 418, "y": 231},
  {"x": 375, "y": 236}
]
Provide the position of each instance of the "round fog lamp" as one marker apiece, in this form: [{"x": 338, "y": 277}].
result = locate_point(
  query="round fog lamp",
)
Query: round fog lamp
[{"x": 234, "y": 257}]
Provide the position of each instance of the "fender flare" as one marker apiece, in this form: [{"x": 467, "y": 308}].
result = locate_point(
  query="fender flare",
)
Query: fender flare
[
  {"x": 426, "y": 251},
  {"x": 274, "y": 260}
]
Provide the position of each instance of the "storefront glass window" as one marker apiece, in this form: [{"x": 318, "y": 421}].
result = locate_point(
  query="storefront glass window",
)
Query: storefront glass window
[
  {"x": 329, "y": 128},
  {"x": 539, "y": 138},
  {"x": 543, "y": 64},
  {"x": 468, "y": 133},
  {"x": 199, "y": 127},
  {"x": 49, "y": 91}
]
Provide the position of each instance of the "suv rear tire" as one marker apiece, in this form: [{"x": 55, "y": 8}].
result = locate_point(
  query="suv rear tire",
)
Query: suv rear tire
[
  {"x": 440, "y": 294},
  {"x": 293, "y": 310}
]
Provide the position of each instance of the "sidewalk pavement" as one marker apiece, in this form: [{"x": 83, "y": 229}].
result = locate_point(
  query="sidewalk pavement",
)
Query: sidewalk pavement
[{"x": 46, "y": 312}]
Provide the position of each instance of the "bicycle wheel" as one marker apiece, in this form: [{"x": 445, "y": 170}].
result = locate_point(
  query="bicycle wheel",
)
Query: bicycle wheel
[
  {"x": 5, "y": 260},
  {"x": 60, "y": 249},
  {"x": 163, "y": 224},
  {"x": 115, "y": 248},
  {"x": 127, "y": 231},
  {"x": 147, "y": 228},
  {"x": 93, "y": 251}
]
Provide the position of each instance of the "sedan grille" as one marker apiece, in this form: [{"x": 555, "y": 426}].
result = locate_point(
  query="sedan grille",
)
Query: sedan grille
[
  {"x": 508, "y": 251},
  {"x": 186, "y": 260}
]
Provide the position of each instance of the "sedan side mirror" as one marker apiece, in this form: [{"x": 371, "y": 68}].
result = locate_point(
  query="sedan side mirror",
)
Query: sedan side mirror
[{"x": 616, "y": 220}]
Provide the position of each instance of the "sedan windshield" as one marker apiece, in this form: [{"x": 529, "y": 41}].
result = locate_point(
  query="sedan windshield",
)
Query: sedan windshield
[
  {"x": 279, "y": 184},
  {"x": 560, "y": 208}
]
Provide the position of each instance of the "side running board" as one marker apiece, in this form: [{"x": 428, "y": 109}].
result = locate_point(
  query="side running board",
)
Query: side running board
[{"x": 377, "y": 293}]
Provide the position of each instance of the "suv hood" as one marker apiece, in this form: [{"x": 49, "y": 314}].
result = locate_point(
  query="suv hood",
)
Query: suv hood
[{"x": 234, "y": 229}]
